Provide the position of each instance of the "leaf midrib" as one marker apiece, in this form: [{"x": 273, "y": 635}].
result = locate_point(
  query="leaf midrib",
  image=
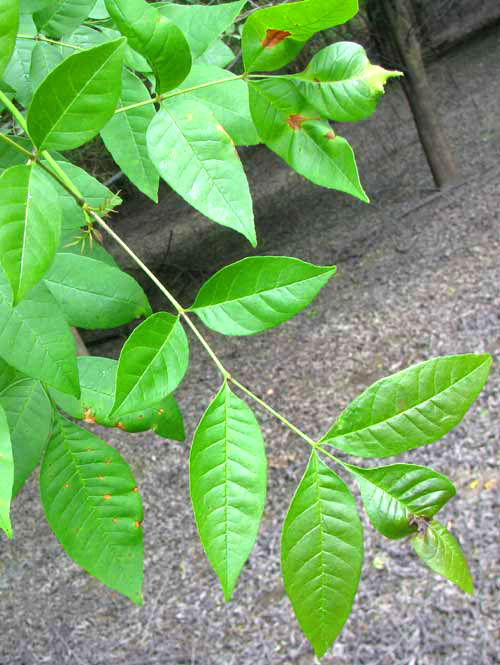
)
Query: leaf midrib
[
  {"x": 402, "y": 413},
  {"x": 259, "y": 293}
]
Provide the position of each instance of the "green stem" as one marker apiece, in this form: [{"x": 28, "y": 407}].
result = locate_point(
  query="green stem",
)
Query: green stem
[
  {"x": 14, "y": 110},
  {"x": 40, "y": 38},
  {"x": 328, "y": 454},
  {"x": 18, "y": 147},
  {"x": 162, "y": 288},
  {"x": 63, "y": 178},
  {"x": 160, "y": 98},
  {"x": 275, "y": 413}
]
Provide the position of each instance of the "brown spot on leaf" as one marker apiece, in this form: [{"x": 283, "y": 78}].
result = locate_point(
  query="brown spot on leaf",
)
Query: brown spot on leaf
[
  {"x": 106, "y": 497},
  {"x": 330, "y": 135},
  {"x": 120, "y": 425},
  {"x": 107, "y": 461},
  {"x": 136, "y": 489},
  {"x": 274, "y": 37},
  {"x": 115, "y": 519},
  {"x": 295, "y": 121},
  {"x": 100, "y": 477},
  {"x": 89, "y": 417},
  {"x": 67, "y": 486},
  {"x": 160, "y": 411},
  {"x": 137, "y": 525}
]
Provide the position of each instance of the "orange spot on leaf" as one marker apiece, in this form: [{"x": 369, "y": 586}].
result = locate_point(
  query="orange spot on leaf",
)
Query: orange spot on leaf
[
  {"x": 160, "y": 411},
  {"x": 115, "y": 519},
  {"x": 120, "y": 425},
  {"x": 107, "y": 461},
  {"x": 100, "y": 477},
  {"x": 66, "y": 485},
  {"x": 107, "y": 497},
  {"x": 89, "y": 417},
  {"x": 137, "y": 525},
  {"x": 136, "y": 489},
  {"x": 330, "y": 135},
  {"x": 295, "y": 121},
  {"x": 274, "y": 37}
]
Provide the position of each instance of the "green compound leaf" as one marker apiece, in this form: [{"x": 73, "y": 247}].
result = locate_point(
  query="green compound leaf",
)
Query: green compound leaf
[
  {"x": 273, "y": 36},
  {"x": 342, "y": 84},
  {"x": 29, "y": 414},
  {"x": 30, "y": 226},
  {"x": 9, "y": 23},
  {"x": 291, "y": 128},
  {"x": 77, "y": 98},
  {"x": 200, "y": 24},
  {"x": 227, "y": 474},
  {"x": 393, "y": 495},
  {"x": 97, "y": 384},
  {"x": 196, "y": 157},
  {"x": 321, "y": 554},
  {"x": 61, "y": 17},
  {"x": 6, "y": 474},
  {"x": 125, "y": 136},
  {"x": 440, "y": 550},
  {"x": 152, "y": 363},
  {"x": 412, "y": 408},
  {"x": 36, "y": 340},
  {"x": 92, "y": 504},
  {"x": 258, "y": 293},
  {"x": 155, "y": 37},
  {"x": 228, "y": 102},
  {"x": 95, "y": 295},
  {"x": 44, "y": 59}
]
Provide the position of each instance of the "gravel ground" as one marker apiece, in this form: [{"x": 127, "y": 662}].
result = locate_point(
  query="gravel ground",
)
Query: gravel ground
[{"x": 418, "y": 276}]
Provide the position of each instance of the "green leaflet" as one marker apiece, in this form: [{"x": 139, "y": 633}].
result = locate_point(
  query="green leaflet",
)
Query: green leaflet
[
  {"x": 393, "y": 495},
  {"x": 196, "y": 157},
  {"x": 97, "y": 384},
  {"x": 228, "y": 102},
  {"x": 155, "y": 37},
  {"x": 291, "y": 128},
  {"x": 30, "y": 6},
  {"x": 93, "y": 506},
  {"x": 29, "y": 414},
  {"x": 152, "y": 363},
  {"x": 273, "y": 36},
  {"x": 200, "y": 24},
  {"x": 440, "y": 550},
  {"x": 17, "y": 73},
  {"x": 36, "y": 340},
  {"x": 125, "y": 136},
  {"x": 94, "y": 295},
  {"x": 99, "y": 11},
  {"x": 30, "y": 226},
  {"x": 44, "y": 59},
  {"x": 77, "y": 98},
  {"x": 258, "y": 293},
  {"x": 7, "y": 375},
  {"x": 412, "y": 408},
  {"x": 227, "y": 476},
  {"x": 9, "y": 23},
  {"x": 342, "y": 84},
  {"x": 59, "y": 18},
  {"x": 321, "y": 554},
  {"x": 6, "y": 474},
  {"x": 218, "y": 54}
]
